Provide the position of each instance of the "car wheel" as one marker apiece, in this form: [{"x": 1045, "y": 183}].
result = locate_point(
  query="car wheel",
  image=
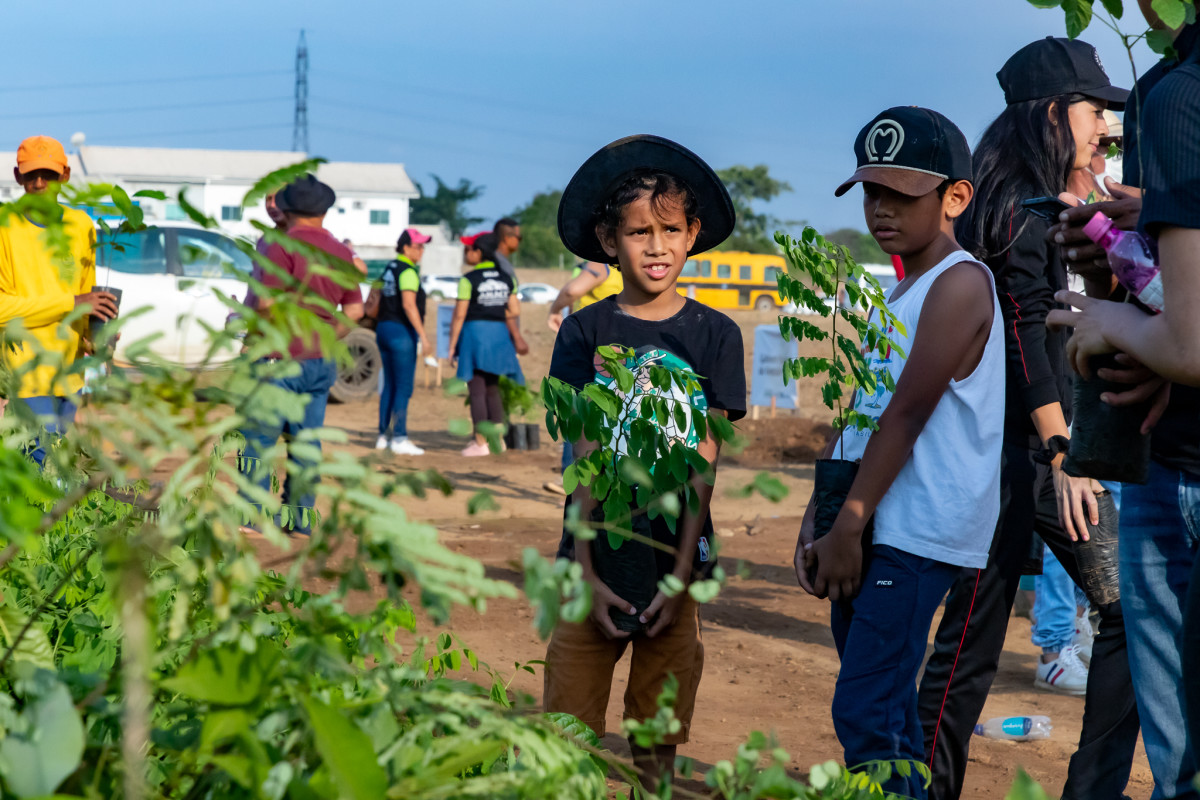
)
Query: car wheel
[
  {"x": 360, "y": 379},
  {"x": 764, "y": 303}
]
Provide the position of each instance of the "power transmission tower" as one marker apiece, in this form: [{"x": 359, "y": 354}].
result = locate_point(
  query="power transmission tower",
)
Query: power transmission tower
[{"x": 300, "y": 125}]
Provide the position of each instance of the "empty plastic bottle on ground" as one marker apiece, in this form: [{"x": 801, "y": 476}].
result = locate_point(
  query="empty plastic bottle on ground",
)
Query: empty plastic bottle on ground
[
  {"x": 1020, "y": 729},
  {"x": 1131, "y": 259}
]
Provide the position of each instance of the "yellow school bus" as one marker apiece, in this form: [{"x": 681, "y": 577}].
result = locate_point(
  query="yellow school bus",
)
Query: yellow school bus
[{"x": 733, "y": 280}]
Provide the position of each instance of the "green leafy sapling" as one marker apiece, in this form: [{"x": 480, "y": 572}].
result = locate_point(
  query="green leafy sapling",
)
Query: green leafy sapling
[{"x": 819, "y": 274}]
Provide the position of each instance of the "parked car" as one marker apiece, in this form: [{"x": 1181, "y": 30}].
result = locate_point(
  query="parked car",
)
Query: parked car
[
  {"x": 174, "y": 270},
  {"x": 440, "y": 287},
  {"x": 537, "y": 293}
]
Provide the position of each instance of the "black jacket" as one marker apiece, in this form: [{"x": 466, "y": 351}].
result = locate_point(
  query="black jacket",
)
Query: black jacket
[{"x": 1028, "y": 273}]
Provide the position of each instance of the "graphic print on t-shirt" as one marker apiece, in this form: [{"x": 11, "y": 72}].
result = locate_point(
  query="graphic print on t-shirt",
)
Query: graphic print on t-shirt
[
  {"x": 644, "y": 358},
  {"x": 639, "y": 364},
  {"x": 492, "y": 293}
]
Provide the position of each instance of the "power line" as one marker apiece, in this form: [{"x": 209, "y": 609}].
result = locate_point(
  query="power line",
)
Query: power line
[
  {"x": 193, "y": 132},
  {"x": 300, "y": 119},
  {"x": 144, "y": 81},
  {"x": 393, "y": 138},
  {"x": 75, "y": 112},
  {"x": 462, "y": 123}
]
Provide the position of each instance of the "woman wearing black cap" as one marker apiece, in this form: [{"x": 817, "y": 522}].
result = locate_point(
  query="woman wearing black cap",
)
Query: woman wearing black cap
[{"x": 1056, "y": 92}]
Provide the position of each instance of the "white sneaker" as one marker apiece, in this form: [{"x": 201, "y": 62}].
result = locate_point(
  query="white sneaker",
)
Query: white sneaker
[
  {"x": 405, "y": 447},
  {"x": 1065, "y": 674},
  {"x": 381, "y": 443},
  {"x": 1083, "y": 639}
]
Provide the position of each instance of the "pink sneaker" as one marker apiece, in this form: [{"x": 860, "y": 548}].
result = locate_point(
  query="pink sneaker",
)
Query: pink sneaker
[{"x": 476, "y": 449}]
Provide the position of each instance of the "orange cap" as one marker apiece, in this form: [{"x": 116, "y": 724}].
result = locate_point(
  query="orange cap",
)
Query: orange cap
[{"x": 41, "y": 152}]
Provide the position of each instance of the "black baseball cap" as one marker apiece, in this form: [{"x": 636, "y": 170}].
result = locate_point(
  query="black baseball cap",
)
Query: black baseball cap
[
  {"x": 584, "y": 198},
  {"x": 306, "y": 196},
  {"x": 1053, "y": 67},
  {"x": 910, "y": 149}
]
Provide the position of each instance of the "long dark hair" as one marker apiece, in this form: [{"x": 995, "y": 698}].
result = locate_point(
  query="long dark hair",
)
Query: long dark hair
[{"x": 1021, "y": 155}]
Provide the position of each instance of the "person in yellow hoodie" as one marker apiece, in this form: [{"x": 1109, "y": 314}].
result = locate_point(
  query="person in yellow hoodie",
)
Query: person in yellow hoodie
[{"x": 40, "y": 286}]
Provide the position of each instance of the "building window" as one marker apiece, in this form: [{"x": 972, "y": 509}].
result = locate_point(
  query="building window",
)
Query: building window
[
  {"x": 231, "y": 213},
  {"x": 380, "y": 216}
]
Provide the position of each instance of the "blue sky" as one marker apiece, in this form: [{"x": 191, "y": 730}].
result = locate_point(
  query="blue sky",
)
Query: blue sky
[{"x": 516, "y": 95}]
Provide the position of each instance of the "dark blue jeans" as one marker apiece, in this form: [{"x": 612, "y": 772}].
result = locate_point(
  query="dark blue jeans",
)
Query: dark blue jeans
[
  {"x": 1160, "y": 534},
  {"x": 55, "y": 414},
  {"x": 881, "y": 637},
  {"x": 316, "y": 377},
  {"x": 398, "y": 349}
]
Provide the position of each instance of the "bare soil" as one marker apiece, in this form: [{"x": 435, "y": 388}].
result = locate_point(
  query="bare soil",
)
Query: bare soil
[{"x": 770, "y": 659}]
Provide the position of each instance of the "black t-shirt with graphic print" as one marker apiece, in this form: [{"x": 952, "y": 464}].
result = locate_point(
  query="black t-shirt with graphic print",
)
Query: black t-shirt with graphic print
[
  {"x": 697, "y": 337},
  {"x": 486, "y": 288}
]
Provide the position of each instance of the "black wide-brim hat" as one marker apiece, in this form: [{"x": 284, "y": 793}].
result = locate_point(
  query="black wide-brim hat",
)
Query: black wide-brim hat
[
  {"x": 584, "y": 199},
  {"x": 305, "y": 196}
]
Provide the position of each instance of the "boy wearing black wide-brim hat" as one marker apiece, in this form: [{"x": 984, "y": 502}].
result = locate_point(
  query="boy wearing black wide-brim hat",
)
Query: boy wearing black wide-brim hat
[
  {"x": 646, "y": 204},
  {"x": 929, "y": 475}
]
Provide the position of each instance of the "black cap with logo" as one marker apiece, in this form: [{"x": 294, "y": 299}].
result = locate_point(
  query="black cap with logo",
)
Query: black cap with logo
[
  {"x": 1053, "y": 67},
  {"x": 911, "y": 150}
]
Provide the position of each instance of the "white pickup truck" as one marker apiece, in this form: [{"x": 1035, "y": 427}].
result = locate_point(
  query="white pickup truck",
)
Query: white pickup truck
[{"x": 175, "y": 270}]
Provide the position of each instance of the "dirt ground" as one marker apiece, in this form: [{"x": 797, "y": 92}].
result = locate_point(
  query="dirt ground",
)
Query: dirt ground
[{"x": 770, "y": 660}]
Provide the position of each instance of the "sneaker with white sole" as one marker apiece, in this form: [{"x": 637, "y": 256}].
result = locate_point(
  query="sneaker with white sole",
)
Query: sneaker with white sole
[
  {"x": 405, "y": 447},
  {"x": 476, "y": 449},
  {"x": 381, "y": 443},
  {"x": 1065, "y": 674},
  {"x": 1083, "y": 639}
]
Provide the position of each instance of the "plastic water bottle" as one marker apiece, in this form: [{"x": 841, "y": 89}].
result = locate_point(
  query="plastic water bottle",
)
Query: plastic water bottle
[
  {"x": 1018, "y": 729},
  {"x": 1131, "y": 259}
]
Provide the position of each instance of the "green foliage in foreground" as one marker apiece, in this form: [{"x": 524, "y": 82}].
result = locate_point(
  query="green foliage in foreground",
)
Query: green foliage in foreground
[
  {"x": 148, "y": 648},
  {"x": 1079, "y": 14}
]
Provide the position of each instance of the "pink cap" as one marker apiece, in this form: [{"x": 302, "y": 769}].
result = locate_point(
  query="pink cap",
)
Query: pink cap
[
  {"x": 1097, "y": 227},
  {"x": 416, "y": 237}
]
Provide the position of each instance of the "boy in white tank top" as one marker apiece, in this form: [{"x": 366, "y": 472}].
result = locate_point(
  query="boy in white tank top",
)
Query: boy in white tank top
[{"x": 930, "y": 474}]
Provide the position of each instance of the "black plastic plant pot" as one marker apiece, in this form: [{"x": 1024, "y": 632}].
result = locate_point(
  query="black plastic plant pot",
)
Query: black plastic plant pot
[
  {"x": 1097, "y": 557},
  {"x": 514, "y": 437},
  {"x": 533, "y": 436},
  {"x": 831, "y": 484},
  {"x": 631, "y": 571},
  {"x": 832, "y": 480},
  {"x": 95, "y": 323},
  {"x": 1106, "y": 441}
]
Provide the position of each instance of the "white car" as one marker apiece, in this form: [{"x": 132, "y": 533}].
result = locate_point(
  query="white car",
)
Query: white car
[
  {"x": 440, "y": 287},
  {"x": 175, "y": 269},
  {"x": 537, "y": 293}
]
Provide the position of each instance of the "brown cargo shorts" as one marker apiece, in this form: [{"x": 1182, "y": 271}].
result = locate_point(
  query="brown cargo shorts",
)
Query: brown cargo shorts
[{"x": 580, "y": 662}]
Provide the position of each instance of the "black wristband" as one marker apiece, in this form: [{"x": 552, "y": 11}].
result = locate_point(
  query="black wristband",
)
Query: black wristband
[{"x": 1055, "y": 446}]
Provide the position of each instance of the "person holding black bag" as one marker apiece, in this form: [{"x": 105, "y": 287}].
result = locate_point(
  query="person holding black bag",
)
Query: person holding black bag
[{"x": 1056, "y": 92}]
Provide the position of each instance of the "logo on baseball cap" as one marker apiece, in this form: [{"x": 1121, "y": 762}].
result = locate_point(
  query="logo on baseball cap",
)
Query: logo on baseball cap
[
  {"x": 911, "y": 150},
  {"x": 41, "y": 152},
  {"x": 1053, "y": 67}
]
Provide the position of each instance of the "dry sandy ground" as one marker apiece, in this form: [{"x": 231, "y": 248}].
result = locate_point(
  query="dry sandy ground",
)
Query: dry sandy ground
[{"x": 770, "y": 660}]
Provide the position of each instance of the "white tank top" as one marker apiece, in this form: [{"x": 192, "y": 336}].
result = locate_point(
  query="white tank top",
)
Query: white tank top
[{"x": 945, "y": 501}]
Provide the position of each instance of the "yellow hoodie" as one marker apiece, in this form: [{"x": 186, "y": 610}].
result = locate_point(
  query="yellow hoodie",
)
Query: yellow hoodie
[{"x": 38, "y": 288}]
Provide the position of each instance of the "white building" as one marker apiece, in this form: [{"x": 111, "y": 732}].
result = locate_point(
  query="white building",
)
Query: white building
[{"x": 372, "y": 199}]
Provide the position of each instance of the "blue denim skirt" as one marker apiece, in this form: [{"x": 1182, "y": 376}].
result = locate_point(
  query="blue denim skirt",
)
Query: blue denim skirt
[{"x": 485, "y": 346}]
